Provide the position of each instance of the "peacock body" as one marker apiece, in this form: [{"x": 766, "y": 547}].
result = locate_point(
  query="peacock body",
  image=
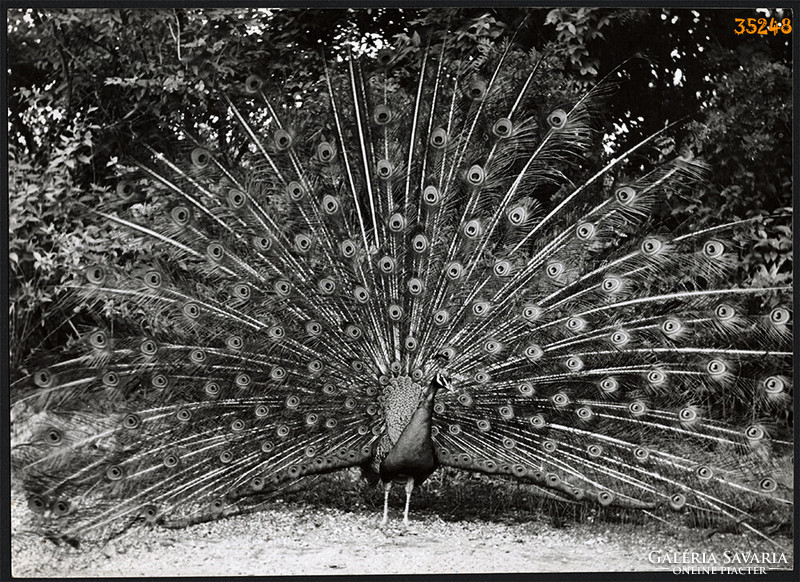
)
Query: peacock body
[{"x": 298, "y": 297}]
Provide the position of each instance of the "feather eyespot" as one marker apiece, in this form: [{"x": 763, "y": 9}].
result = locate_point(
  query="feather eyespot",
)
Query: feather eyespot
[
  {"x": 397, "y": 222},
  {"x": 606, "y": 498},
  {"x": 438, "y": 138},
  {"x": 502, "y": 127},
  {"x": 295, "y": 191},
  {"x": 651, "y": 246},
  {"x": 326, "y": 285},
  {"x": 704, "y": 472},
  {"x": 502, "y": 268},
  {"x": 716, "y": 367},
  {"x": 95, "y": 274},
  {"x": 755, "y": 433},
  {"x": 360, "y": 294},
  {"x": 576, "y": 323},
  {"x": 53, "y": 437},
  {"x": 779, "y": 316},
  {"x": 159, "y": 381},
  {"x": 98, "y": 339},
  {"x": 215, "y": 252},
  {"x": 672, "y": 327},
  {"x": 585, "y": 231},
  {"x": 609, "y": 385},
  {"x": 283, "y": 140},
  {"x": 153, "y": 279},
  {"x": 454, "y": 270},
  {"x": 677, "y": 501},
  {"x": 555, "y": 269},
  {"x": 476, "y": 175},
  {"x": 236, "y": 198},
  {"x": 382, "y": 115},
  {"x": 625, "y": 195},
  {"x": 415, "y": 286},
  {"x": 395, "y": 312},
  {"x": 441, "y": 317},
  {"x": 170, "y": 460},
  {"x": 533, "y": 352},
  {"x": 724, "y": 312},
  {"x": 181, "y": 215},
  {"x": 313, "y": 328},
  {"x": 200, "y": 158},
  {"x": 431, "y": 196},
  {"x": 262, "y": 243},
  {"x": 518, "y": 215},
  {"x": 637, "y": 408},
  {"x": 385, "y": 169},
  {"x": 61, "y": 508},
  {"x": 768, "y": 484},
  {"x": 477, "y": 90},
  {"x": 481, "y": 308},
  {"x": 302, "y": 242},
  {"x": 774, "y": 385},
  {"x": 594, "y": 450},
  {"x": 557, "y": 119},
  {"x": 574, "y": 364},
  {"x": 506, "y": 412},
  {"x": 253, "y": 84},
  {"x": 353, "y": 331},
  {"x": 420, "y": 243},
  {"x": 620, "y": 338},
  {"x": 493, "y": 347},
  {"x": 472, "y": 229},
  {"x": 148, "y": 347},
  {"x": 330, "y": 204},
  {"x": 713, "y": 249},
  {"x": 131, "y": 421},
  {"x": 611, "y": 284},
  {"x": 387, "y": 264},
  {"x": 325, "y": 151},
  {"x": 482, "y": 377},
  {"x": 126, "y": 190}
]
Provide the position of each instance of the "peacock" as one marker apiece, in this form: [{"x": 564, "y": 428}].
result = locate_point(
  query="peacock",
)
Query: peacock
[{"x": 424, "y": 264}]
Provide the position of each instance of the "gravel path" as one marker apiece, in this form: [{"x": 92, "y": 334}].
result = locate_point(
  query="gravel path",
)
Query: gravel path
[{"x": 291, "y": 539}]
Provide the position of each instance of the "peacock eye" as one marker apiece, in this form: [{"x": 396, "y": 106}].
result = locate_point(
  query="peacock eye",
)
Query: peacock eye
[
  {"x": 283, "y": 140},
  {"x": 438, "y": 138},
  {"x": 382, "y": 115}
]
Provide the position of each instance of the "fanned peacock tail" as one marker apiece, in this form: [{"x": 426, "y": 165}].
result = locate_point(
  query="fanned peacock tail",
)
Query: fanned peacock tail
[{"x": 298, "y": 296}]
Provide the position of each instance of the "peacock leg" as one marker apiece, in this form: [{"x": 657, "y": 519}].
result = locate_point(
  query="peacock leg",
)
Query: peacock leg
[
  {"x": 409, "y": 489},
  {"x": 386, "y": 488}
]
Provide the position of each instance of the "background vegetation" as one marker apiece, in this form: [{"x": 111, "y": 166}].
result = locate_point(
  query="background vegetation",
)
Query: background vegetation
[{"x": 87, "y": 87}]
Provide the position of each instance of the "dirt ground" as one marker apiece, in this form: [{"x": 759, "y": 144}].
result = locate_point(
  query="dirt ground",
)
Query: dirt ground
[{"x": 289, "y": 539}]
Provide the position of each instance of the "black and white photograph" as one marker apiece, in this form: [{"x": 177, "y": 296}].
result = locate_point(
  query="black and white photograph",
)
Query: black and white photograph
[{"x": 372, "y": 290}]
